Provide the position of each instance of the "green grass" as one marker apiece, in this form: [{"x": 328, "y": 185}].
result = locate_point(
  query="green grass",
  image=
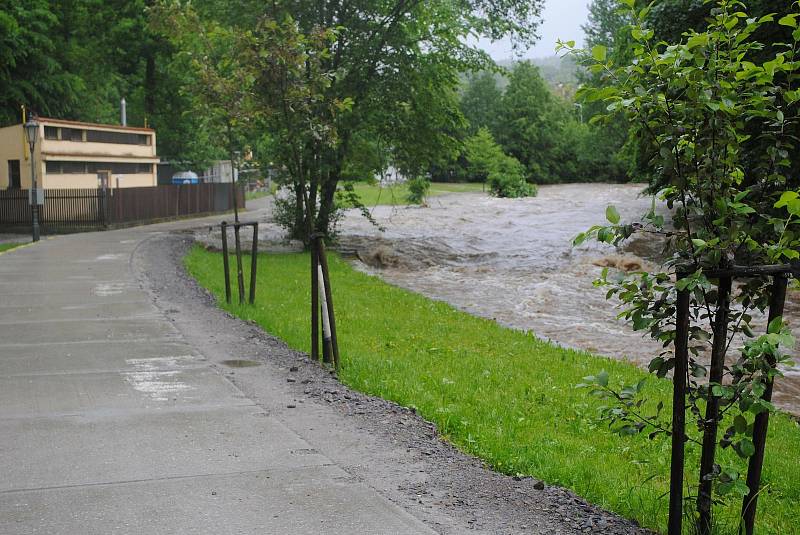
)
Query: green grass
[
  {"x": 252, "y": 195},
  {"x": 497, "y": 393},
  {"x": 395, "y": 195},
  {"x": 8, "y": 246}
]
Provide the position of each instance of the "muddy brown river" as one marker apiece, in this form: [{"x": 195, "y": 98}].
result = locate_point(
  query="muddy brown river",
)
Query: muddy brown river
[{"x": 511, "y": 260}]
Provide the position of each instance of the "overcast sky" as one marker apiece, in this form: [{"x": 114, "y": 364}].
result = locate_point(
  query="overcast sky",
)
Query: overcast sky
[{"x": 562, "y": 20}]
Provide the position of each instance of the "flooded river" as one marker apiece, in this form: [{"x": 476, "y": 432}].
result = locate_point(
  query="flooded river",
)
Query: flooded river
[{"x": 511, "y": 260}]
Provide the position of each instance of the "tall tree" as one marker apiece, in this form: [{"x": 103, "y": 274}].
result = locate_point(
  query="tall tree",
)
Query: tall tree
[
  {"x": 605, "y": 24},
  {"x": 389, "y": 68},
  {"x": 482, "y": 101},
  {"x": 533, "y": 127},
  {"x": 30, "y": 70}
]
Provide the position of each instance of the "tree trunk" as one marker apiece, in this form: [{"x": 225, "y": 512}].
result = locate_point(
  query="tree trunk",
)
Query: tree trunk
[
  {"x": 150, "y": 84},
  {"x": 299, "y": 213},
  {"x": 326, "y": 207}
]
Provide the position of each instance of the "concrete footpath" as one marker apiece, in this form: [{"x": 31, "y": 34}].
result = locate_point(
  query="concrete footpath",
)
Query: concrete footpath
[{"x": 111, "y": 420}]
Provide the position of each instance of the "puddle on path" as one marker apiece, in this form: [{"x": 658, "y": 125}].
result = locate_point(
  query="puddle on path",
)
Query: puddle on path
[
  {"x": 157, "y": 378},
  {"x": 108, "y": 289},
  {"x": 511, "y": 260}
]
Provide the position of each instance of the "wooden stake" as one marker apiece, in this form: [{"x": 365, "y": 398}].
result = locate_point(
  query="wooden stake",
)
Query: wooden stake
[
  {"x": 326, "y": 280},
  {"x": 254, "y": 264},
  {"x": 761, "y": 425},
  {"x": 675, "y": 522},
  {"x": 225, "y": 262}
]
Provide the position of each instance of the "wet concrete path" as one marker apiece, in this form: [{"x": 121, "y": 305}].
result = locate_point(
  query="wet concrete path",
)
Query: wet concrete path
[{"x": 112, "y": 421}]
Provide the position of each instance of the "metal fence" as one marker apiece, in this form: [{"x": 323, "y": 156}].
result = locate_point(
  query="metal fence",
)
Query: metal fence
[{"x": 65, "y": 210}]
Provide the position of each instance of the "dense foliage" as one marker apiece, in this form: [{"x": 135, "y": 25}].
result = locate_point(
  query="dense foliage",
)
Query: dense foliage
[
  {"x": 75, "y": 59},
  {"x": 608, "y": 26},
  {"x": 715, "y": 110},
  {"x": 333, "y": 83},
  {"x": 543, "y": 130}
]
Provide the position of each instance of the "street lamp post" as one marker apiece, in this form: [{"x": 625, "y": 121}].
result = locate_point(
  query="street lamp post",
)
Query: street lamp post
[{"x": 31, "y": 133}]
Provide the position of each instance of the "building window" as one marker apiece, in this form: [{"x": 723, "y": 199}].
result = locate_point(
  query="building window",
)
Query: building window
[
  {"x": 73, "y": 168},
  {"x": 71, "y": 134},
  {"x": 13, "y": 174},
  {"x": 122, "y": 138},
  {"x": 50, "y": 132},
  {"x": 66, "y": 168},
  {"x": 116, "y": 168}
]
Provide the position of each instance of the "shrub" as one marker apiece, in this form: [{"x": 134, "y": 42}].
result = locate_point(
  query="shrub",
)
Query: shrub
[
  {"x": 504, "y": 175},
  {"x": 418, "y": 190},
  {"x": 507, "y": 179}
]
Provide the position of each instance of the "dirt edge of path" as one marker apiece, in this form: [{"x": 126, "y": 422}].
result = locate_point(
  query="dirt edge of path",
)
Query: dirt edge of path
[{"x": 377, "y": 442}]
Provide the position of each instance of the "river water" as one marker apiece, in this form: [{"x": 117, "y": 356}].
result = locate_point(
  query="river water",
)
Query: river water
[{"x": 511, "y": 260}]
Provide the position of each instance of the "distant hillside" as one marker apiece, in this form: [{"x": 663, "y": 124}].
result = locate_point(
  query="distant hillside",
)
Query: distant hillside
[
  {"x": 558, "y": 70},
  {"x": 560, "y": 73}
]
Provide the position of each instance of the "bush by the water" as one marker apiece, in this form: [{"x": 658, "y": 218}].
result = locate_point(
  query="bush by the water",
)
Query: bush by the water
[
  {"x": 508, "y": 180},
  {"x": 504, "y": 175},
  {"x": 418, "y": 190}
]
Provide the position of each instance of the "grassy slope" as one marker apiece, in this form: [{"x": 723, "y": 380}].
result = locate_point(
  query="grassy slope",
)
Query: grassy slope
[
  {"x": 373, "y": 195},
  {"x": 495, "y": 392}
]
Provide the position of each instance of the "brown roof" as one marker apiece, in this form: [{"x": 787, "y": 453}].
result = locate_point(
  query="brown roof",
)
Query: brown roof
[{"x": 95, "y": 125}]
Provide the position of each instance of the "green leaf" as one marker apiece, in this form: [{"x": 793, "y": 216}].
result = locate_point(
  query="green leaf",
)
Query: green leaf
[
  {"x": 740, "y": 424},
  {"x": 746, "y": 447},
  {"x": 700, "y": 39},
  {"x": 788, "y": 20},
  {"x": 786, "y": 197},
  {"x": 775, "y": 326},
  {"x": 655, "y": 364},
  {"x": 793, "y": 207},
  {"x": 602, "y": 378},
  {"x": 697, "y": 242},
  {"x": 599, "y": 53},
  {"x": 612, "y": 215}
]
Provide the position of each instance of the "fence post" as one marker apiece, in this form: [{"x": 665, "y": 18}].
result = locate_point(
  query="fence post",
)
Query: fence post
[
  {"x": 225, "y": 262},
  {"x": 105, "y": 205},
  {"x": 776, "y": 304},
  {"x": 326, "y": 281},
  {"x": 314, "y": 299},
  {"x": 711, "y": 421},
  {"x": 675, "y": 522},
  {"x": 101, "y": 208},
  {"x": 254, "y": 264}
]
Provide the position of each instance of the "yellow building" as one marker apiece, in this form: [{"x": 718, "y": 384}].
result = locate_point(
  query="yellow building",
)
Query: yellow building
[{"x": 70, "y": 154}]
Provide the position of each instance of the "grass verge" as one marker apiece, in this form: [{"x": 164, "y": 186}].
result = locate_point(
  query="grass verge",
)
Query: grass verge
[
  {"x": 498, "y": 393},
  {"x": 8, "y": 246},
  {"x": 395, "y": 195},
  {"x": 253, "y": 195}
]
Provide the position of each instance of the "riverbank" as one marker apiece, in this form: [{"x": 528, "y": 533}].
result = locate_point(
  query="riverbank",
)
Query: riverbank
[
  {"x": 496, "y": 393},
  {"x": 372, "y": 195}
]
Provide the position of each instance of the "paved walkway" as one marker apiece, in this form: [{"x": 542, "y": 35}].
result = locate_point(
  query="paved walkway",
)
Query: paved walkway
[{"x": 111, "y": 421}]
